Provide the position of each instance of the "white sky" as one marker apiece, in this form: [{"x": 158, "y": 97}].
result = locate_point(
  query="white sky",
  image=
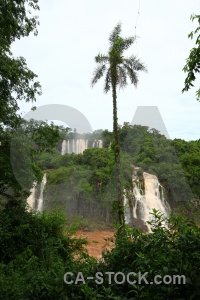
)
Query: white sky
[{"x": 72, "y": 33}]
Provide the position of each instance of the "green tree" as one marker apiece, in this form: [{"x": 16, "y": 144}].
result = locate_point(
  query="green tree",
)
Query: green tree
[
  {"x": 193, "y": 61},
  {"x": 117, "y": 69},
  {"x": 17, "y": 82},
  {"x": 19, "y": 150}
]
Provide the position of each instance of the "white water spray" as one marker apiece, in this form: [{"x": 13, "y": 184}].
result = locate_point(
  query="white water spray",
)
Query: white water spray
[
  {"x": 78, "y": 146},
  {"x": 36, "y": 203},
  {"x": 143, "y": 198}
]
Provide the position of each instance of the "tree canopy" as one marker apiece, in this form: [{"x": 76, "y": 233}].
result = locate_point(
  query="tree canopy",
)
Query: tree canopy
[
  {"x": 17, "y": 81},
  {"x": 192, "y": 66},
  {"x": 114, "y": 65}
]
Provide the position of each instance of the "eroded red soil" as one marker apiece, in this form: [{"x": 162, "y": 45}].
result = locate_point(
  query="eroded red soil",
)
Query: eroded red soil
[{"x": 98, "y": 241}]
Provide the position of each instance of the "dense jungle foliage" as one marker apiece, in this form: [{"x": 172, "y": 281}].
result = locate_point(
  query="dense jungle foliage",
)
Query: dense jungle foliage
[
  {"x": 82, "y": 183},
  {"x": 40, "y": 259}
]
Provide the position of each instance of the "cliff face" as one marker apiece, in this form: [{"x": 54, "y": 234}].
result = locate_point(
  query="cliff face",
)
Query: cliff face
[{"x": 145, "y": 195}]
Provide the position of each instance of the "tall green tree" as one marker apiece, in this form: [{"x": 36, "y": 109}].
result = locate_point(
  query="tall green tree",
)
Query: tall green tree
[
  {"x": 117, "y": 69},
  {"x": 17, "y": 81},
  {"x": 192, "y": 66}
]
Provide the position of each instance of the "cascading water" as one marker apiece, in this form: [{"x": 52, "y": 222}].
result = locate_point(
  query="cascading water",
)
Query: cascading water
[
  {"x": 34, "y": 202},
  {"x": 74, "y": 146},
  {"x": 97, "y": 144},
  {"x": 31, "y": 199},
  {"x": 154, "y": 196},
  {"x": 64, "y": 147},
  {"x": 100, "y": 144},
  {"x": 41, "y": 198},
  {"x": 78, "y": 146},
  {"x": 143, "y": 198}
]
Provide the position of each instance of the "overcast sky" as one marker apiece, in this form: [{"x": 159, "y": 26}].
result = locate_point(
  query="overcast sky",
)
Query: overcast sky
[{"x": 72, "y": 33}]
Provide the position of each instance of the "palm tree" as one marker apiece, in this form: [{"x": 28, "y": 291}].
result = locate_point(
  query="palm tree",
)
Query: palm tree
[{"x": 116, "y": 69}]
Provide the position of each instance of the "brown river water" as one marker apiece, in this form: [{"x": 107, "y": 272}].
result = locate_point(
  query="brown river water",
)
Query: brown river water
[{"x": 98, "y": 241}]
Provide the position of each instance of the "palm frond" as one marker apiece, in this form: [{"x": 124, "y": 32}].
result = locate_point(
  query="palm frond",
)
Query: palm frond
[
  {"x": 101, "y": 58},
  {"x": 115, "y": 34},
  {"x": 134, "y": 63},
  {"x": 127, "y": 42},
  {"x": 132, "y": 74},
  {"x": 121, "y": 76},
  {"x": 98, "y": 73},
  {"x": 107, "y": 85}
]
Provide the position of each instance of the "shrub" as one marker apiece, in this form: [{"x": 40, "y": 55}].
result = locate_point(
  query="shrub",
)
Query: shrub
[{"x": 166, "y": 251}]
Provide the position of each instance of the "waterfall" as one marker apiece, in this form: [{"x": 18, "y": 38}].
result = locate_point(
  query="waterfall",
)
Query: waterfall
[
  {"x": 31, "y": 199},
  {"x": 154, "y": 196},
  {"x": 73, "y": 146},
  {"x": 97, "y": 144},
  {"x": 64, "y": 148},
  {"x": 78, "y": 146},
  {"x": 144, "y": 196},
  {"x": 67, "y": 147},
  {"x": 36, "y": 203},
  {"x": 100, "y": 144},
  {"x": 41, "y": 198}
]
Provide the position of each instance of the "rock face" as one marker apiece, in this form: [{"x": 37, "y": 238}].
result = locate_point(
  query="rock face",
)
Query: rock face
[
  {"x": 77, "y": 146},
  {"x": 138, "y": 223},
  {"x": 144, "y": 196}
]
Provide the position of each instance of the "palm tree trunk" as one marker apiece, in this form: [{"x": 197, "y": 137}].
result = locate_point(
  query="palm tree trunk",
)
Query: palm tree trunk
[{"x": 117, "y": 154}]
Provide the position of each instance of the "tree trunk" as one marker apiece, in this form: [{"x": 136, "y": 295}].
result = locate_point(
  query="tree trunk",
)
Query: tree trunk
[{"x": 117, "y": 153}]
